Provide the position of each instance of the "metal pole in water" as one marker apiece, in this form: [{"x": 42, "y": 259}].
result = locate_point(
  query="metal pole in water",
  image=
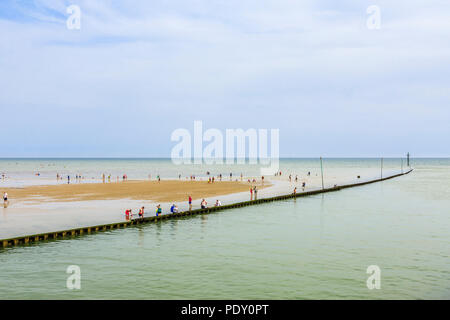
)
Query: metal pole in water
[
  {"x": 381, "y": 168},
  {"x": 321, "y": 170}
]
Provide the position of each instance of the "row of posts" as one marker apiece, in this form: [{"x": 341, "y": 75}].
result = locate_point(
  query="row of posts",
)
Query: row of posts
[{"x": 381, "y": 175}]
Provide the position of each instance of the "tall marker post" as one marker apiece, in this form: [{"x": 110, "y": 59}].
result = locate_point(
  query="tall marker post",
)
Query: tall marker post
[
  {"x": 381, "y": 168},
  {"x": 321, "y": 171}
]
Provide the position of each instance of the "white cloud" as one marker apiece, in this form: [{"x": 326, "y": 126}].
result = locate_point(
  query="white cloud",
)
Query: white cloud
[{"x": 231, "y": 58}]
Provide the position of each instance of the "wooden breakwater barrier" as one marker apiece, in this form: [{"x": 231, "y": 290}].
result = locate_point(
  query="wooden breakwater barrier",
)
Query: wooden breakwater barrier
[{"x": 67, "y": 234}]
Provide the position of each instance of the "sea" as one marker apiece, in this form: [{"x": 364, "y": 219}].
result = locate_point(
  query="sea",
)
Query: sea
[{"x": 325, "y": 246}]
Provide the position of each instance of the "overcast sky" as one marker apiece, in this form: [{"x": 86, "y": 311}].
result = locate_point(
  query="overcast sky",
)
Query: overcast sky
[{"x": 138, "y": 70}]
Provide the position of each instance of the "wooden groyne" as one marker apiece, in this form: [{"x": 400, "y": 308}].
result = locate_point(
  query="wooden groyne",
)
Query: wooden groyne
[{"x": 67, "y": 234}]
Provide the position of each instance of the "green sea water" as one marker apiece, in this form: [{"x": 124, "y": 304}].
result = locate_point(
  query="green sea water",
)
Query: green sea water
[{"x": 317, "y": 247}]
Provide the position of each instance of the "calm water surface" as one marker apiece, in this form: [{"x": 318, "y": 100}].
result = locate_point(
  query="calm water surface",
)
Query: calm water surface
[{"x": 310, "y": 248}]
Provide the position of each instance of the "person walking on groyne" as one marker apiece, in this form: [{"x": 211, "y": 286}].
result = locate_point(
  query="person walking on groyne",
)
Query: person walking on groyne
[
  {"x": 190, "y": 203},
  {"x": 141, "y": 213},
  {"x": 158, "y": 210},
  {"x": 174, "y": 208},
  {"x": 251, "y": 193},
  {"x": 128, "y": 214},
  {"x": 203, "y": 204}
]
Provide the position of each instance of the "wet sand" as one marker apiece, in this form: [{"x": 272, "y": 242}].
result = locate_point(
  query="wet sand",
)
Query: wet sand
[{"x": 165, "y": 190}]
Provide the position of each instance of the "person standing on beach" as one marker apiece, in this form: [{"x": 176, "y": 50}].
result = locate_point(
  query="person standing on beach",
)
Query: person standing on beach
[
  {"x": 231, "y": 176},
  {"x": 5, "y": 199},
  {"x": 251, "y": 193},
  {"x": 255, "y": 191},
  {"x": 190, "y": 203},
  {"x": 68, "y": 179}
]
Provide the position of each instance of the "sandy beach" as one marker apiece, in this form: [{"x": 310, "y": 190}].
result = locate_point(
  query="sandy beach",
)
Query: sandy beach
[{"x": 165, "y": 190}]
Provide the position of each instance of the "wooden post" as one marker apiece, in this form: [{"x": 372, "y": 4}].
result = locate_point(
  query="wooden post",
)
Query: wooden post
[
  {"x": 381, "y": 168},
  {"x": 321, "y": 170}
]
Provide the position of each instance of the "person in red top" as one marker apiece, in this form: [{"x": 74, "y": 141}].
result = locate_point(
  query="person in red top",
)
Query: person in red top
[
  {"x": 190, "y": 203},
  {"x": 251, "y": 193},
  {"x": 127, "y": 214}
]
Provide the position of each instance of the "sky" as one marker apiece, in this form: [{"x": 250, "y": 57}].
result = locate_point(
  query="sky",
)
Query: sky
[{"x": 136, "y": 71}]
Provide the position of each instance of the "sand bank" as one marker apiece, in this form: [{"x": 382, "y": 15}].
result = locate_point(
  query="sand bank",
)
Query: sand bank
[{"x": 165, "y": 190}]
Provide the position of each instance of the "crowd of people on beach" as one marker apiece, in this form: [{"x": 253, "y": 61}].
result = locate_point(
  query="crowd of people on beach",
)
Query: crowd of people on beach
[
  {"x": 212, "y": 179},
  {"x": 174, "y": 209},
  {"x": 204, "y": 203}
]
